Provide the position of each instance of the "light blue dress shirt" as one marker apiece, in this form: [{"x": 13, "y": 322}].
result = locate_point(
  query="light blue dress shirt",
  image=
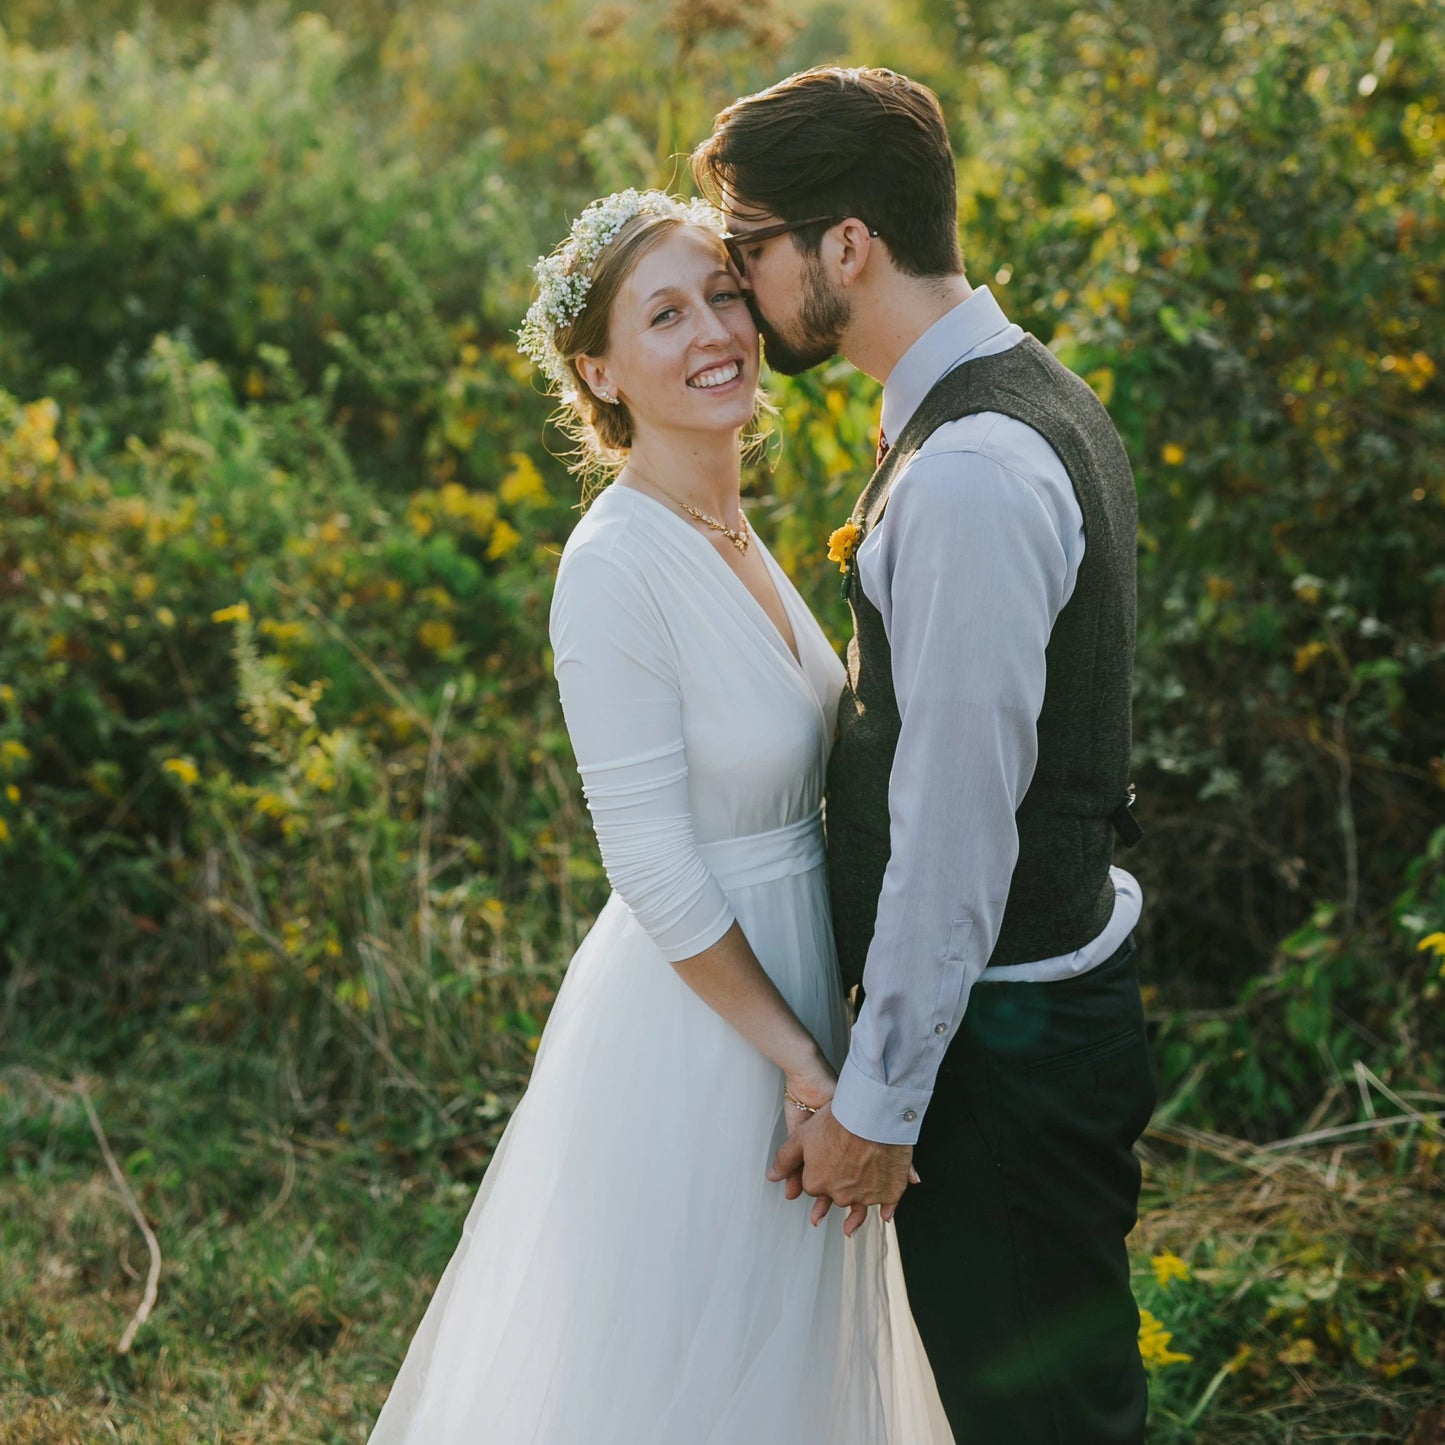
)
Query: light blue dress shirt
[{"x": 971, "y": 563}]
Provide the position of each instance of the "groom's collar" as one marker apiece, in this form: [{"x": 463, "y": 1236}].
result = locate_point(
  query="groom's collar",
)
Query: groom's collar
[{"x": 953, "y": 339}]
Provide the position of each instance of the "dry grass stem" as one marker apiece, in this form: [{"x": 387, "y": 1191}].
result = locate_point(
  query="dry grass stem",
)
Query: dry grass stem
[{"x": 153, "y": 1277}]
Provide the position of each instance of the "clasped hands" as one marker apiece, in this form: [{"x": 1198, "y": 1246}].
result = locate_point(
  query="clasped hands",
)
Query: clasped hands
[{"x": 823, "y": 1159}]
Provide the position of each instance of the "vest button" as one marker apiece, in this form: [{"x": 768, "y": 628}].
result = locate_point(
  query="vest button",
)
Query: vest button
[{"x": 940, "y": 1028}]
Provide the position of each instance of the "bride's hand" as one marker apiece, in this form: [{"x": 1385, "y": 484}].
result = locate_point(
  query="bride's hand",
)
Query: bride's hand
[{"x": 813, "y": 1084}]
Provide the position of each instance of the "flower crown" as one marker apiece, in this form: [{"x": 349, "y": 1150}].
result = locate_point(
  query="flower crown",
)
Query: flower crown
[{"x": 565, "y": 277}]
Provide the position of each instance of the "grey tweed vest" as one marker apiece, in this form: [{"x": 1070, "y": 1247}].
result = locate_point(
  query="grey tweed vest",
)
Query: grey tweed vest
[{"x": 1060, "y": 895}]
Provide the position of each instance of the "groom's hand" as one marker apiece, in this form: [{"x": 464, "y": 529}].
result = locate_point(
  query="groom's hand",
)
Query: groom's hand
[{"x": 825, "y": 1160}]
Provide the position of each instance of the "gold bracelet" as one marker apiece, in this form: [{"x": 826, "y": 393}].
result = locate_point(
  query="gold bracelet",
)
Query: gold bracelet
[{"x": 798, "y": 1103}]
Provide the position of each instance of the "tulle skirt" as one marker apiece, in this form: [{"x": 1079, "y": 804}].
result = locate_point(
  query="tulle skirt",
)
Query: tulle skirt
[{"x": 627, "y": 1275}]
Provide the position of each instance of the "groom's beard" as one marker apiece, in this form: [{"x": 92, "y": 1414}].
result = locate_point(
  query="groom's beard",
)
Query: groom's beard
[{"x": 821, "y": 320}]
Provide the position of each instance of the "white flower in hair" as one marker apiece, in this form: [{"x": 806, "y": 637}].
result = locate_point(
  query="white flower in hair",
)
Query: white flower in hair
[{"x": 565, "y": 277}]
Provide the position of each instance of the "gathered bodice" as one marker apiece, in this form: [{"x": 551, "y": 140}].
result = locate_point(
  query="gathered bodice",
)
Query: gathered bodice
[{"x": 692, "y": 722}]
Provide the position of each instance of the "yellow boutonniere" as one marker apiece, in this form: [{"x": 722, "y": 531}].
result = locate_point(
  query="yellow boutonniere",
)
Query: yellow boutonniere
[{"x": 843, "y": 543}]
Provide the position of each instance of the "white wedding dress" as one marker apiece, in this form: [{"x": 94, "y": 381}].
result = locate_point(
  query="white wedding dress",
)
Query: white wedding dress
[{"x": 627, "y": 1275}]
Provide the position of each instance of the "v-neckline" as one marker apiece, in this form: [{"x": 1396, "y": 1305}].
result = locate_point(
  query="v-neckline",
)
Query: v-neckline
[{"x": 761, "y": 618}]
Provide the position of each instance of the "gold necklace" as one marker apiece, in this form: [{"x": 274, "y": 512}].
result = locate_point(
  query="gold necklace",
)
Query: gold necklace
[{"x": 739, "y": 538}]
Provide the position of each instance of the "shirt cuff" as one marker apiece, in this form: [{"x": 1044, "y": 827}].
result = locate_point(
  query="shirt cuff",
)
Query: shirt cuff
[{"x": 883, "y": 1113}]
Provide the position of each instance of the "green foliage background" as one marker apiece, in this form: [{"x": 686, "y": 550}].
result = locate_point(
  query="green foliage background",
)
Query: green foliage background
[{"x": 259, "y": 270}]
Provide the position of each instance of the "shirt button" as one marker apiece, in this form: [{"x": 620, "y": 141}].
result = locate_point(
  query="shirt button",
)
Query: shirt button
[
  {"x": 909, "y": 1116},
  {"x": 940, "y": 1028}
]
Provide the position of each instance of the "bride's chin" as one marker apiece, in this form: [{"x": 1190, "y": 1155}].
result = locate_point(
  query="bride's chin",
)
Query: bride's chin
[{"x": 721, "y": 415}]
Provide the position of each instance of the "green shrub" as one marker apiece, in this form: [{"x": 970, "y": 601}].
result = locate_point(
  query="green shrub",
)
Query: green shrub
[{"x": 257, "y": 279}]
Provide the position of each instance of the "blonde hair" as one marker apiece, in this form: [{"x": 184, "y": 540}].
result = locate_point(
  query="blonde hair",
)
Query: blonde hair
[{"x": 602, "y": 431}]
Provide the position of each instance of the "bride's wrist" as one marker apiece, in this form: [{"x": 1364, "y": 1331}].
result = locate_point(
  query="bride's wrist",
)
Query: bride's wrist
[{"x": 811, "y": 1081}]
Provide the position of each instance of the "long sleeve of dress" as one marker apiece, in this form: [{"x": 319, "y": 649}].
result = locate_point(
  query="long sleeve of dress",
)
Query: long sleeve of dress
[{"x": 618, "y": 680}]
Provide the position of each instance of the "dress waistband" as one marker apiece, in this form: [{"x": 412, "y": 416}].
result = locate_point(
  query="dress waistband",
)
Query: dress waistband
[{"x": 765, "y": 857}]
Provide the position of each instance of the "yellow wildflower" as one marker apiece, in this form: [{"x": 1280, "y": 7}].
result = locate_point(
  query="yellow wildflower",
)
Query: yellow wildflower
[
  {"x": 1299, "y": 1352},
  {"x": 843, "y": 543},
  {"x": 436, "y": 636},
  {"x": 1101, "y": 383},
  {"x": 1154, "y": 1344},
  {"x": 1397, "y": 1367},
  {"x": 182, "y": 769},
  {"x": 1305, "y": 657},
  {"x": 41, "y": 416},
  {"x": 13, "y": 751},
  {"x": 12, "y": 792},
  {"x": 523, "y": 483},
  {"x": 1172, "y": 455},
  {"x": 1432, "y": 943},
  {"x": 236, "y": 612},
  {"x": 285, "y": 634},
  {"x": 4, "y": 831},
  {"x": 1168, "y": 1267},
  {"x": 165, "y": 617},
  {"x": 504, "y": 538}
]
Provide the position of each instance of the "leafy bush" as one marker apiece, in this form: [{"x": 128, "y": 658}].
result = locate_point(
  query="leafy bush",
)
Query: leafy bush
[
  {"x": 1229, "y": 230},
  {"x": 256, "y": 283}
]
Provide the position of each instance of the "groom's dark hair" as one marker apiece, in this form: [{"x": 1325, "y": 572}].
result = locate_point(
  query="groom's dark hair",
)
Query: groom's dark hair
[{"x": 841, "y": 142}]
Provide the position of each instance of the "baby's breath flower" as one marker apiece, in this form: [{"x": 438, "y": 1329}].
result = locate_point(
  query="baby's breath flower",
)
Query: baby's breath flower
[{"x": 565, "y": 277}]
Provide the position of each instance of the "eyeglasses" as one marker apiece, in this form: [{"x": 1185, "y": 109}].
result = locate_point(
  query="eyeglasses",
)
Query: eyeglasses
[{"x": 736, "y": 240}]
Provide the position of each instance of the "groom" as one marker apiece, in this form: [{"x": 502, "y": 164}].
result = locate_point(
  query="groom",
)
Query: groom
[{"x": 980, "y": 773}]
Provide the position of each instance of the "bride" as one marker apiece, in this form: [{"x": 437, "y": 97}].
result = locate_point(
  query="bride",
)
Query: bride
[{"x": 627, "y": 1274}]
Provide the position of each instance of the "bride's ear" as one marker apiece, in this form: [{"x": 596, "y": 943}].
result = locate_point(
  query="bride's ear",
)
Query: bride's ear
[{"x": 593, "y": 371}]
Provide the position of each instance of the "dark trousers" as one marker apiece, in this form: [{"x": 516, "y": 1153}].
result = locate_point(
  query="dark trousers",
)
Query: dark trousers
[{"x": 1013, "y": 1245}]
